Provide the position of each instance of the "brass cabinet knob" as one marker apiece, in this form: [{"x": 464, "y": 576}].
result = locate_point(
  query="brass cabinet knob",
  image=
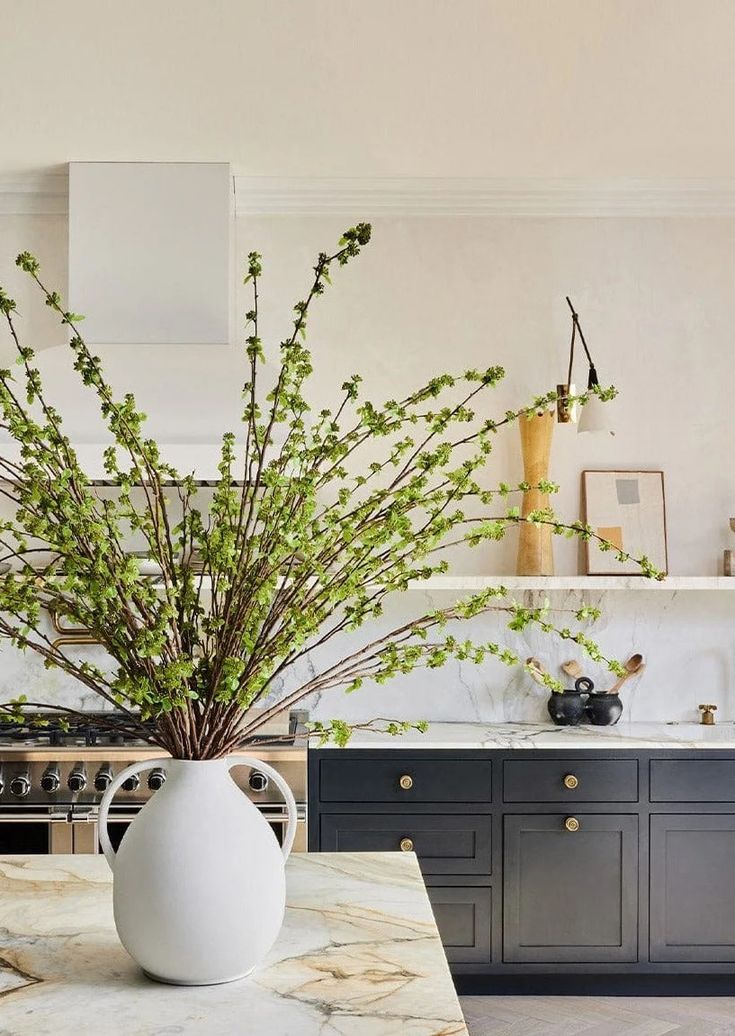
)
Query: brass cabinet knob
[
  {"x": 406, "y": 845},
  {"x": 406, "y": 782},
  {"x": 571, "y": 824},
  {"x": 571, "y": 782}
]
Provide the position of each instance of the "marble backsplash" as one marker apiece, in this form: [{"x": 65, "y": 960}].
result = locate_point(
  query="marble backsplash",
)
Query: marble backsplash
[{"x": 685, "y": 636}]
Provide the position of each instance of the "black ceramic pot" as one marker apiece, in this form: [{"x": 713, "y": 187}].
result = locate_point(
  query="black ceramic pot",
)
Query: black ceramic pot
[
  {"x": 603, "y": 709},
  {"x": 566, "y": 708}
]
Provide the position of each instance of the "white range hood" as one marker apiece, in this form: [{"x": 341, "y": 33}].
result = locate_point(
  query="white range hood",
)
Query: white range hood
[
  {"x": 151, "y": 268},
  {"x": 150, "y": 252}
]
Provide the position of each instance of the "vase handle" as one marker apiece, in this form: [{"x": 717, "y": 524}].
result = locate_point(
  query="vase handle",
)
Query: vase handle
[
  {"x": 256, "y": 764},
  {"x": 135, "y": 768}
]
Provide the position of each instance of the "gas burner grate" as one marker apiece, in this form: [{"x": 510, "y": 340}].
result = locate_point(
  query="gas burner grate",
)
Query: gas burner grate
[
  {"x": 112, "y": 728},
  {"x": 94, "y": 728}
]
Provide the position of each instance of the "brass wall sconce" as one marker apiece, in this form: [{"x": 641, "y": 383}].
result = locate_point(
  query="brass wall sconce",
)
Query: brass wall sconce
[{"x": 593, "y": 416}]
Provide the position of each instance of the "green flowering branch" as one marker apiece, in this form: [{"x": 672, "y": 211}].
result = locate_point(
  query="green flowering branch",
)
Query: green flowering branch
[
  {"x": 314, "y": 521},
  {"x": 339, "y": 732}
]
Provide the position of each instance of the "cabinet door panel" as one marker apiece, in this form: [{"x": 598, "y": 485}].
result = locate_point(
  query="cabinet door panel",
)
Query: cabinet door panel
[
  {"x": 464, "y": 919},
  {"x": 444, "y": 844},
  {"x": 692, "y": 903},
  {"x": 570, "y": 897}
]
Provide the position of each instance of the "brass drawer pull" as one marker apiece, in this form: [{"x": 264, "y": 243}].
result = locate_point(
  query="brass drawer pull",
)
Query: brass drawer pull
[
  {"x": 571, "y": 824},
  {"x": 406, "y": 782},
  {"x": 571, "y": 782},
  {"x": 406, "y": 845}
]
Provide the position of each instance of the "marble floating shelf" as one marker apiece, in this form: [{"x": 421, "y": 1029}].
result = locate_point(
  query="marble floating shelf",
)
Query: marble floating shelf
[
  {"x": 547, "y": 583},
  {"x": 473, "y": 584}
]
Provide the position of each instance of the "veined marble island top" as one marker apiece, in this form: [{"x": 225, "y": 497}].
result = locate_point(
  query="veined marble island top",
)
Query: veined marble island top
[
  {"x": 359, "y": 955},
  {"x": 546, "y": 735}
]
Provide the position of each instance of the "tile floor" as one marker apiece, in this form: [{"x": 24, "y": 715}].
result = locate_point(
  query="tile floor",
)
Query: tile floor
[{"x": 598, "y": 1016}]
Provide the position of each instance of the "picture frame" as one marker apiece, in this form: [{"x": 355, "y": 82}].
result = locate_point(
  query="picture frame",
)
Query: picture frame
[{"x": 627, "y": 508}]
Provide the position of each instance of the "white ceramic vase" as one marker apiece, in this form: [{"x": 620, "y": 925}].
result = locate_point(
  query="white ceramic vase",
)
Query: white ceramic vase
[{"x": 199, "y": 886}]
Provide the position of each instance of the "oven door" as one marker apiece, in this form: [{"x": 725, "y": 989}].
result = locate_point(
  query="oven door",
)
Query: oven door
[
  {"x": 35, "y": 832},
  {"x": 277, "y": 817},
  {"x": 86, "y": 829},
  {"x": 118, "y": 821},
  {"x": 86, "y": 837}
]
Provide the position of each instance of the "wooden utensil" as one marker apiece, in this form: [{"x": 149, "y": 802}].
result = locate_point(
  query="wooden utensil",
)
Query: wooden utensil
[
  {"x": 572, "y": 668},
  {"x": 536, "y": 670},
  {"x": 633, "y": 667}
]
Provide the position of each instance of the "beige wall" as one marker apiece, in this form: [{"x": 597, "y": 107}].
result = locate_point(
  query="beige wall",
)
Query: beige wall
[
  {"x": 384, "y": 87},
  {"x": 656, "y": 300},
  {"x": 657, "y": 304}
]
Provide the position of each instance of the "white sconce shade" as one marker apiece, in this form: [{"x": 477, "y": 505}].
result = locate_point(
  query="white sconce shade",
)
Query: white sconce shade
[{"x": 595, "y": 416}]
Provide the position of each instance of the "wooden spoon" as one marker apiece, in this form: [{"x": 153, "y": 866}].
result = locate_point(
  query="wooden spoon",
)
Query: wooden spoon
[
  {"x": 572, "y": 668},
  {"x": 535, "y": 670},
  {"x": 634, "y": 666}
]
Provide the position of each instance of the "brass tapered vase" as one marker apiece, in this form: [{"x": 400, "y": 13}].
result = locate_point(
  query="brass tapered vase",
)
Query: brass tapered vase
[{"x": 535, "y": 546}]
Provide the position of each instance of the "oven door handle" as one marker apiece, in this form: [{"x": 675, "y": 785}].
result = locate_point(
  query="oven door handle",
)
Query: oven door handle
[
  {"x": 36, "y": 818},
  {"x": 93, "y": 817},
  {"x": 281, "y": 816}
]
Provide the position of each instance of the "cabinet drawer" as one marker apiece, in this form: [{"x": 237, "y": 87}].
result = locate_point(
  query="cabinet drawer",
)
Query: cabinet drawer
[
  {"x": 570, "y": 780},
  {"x": 444, "y": 844},
  {"x": 345, "y": 779},
  {"x": 464, "y": 920},
  {"x": 693, "y": 780}
]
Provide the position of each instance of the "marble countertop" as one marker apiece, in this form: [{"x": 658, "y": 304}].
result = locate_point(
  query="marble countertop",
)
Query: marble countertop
[
  {"x": 546, "y": 735},
  {"x": 359, "y": 955}
]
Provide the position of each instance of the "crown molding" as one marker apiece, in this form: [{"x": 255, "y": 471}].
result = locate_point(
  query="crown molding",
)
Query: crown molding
[
  {"x": 38, "y": 193},
  {"x": 459, "y": 196},
  {"x": 46, "y": 193}
]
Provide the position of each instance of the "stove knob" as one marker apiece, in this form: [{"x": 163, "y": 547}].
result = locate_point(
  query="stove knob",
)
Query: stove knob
[
  {"x": 103, "y": 779},
  {"x": 157, "y": 779},
  {"x": 132, "y": 783},
  {"x": 2, "y": 784},
  {"x": 50, "y": 780},
  {"x": 77, "y": 779},
  {"x": 258, "y": 781},
  {"x": 20, "y": 784}
]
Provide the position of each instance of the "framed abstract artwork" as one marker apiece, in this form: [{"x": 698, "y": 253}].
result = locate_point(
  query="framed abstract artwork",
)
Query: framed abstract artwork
[{"x": 628, "y": 509}]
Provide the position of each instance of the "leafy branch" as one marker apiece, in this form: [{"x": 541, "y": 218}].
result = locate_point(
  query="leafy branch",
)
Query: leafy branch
[{"x": 315, "y": 520}]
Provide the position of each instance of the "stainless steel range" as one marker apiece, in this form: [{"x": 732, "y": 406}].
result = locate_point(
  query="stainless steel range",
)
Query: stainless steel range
[{"x": 52, "y": 781}]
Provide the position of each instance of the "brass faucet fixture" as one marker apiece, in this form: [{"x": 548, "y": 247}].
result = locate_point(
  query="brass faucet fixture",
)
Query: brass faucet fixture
[{"x": 708, "y": 714}]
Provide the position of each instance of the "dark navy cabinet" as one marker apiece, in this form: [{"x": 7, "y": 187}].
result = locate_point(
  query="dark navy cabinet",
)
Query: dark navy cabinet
[
  {"x": 570, "y": 890},
  {"x": 568, "y": 780},
  {"x": 445, "y": 843},
  {"x": 607, "y": 870},
  {"x": 464, "y": 919},
  {"x": 397, "y": 779},
  {"x": 437, "y": 804},
  {"x": 692, "y": 900}
]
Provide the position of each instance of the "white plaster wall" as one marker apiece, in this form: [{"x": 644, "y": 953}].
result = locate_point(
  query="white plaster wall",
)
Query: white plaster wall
[
  {"x": 657, "y": 302},
  {"x": 657, "y": 305},
  {"x": 686, "y": 638}
]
